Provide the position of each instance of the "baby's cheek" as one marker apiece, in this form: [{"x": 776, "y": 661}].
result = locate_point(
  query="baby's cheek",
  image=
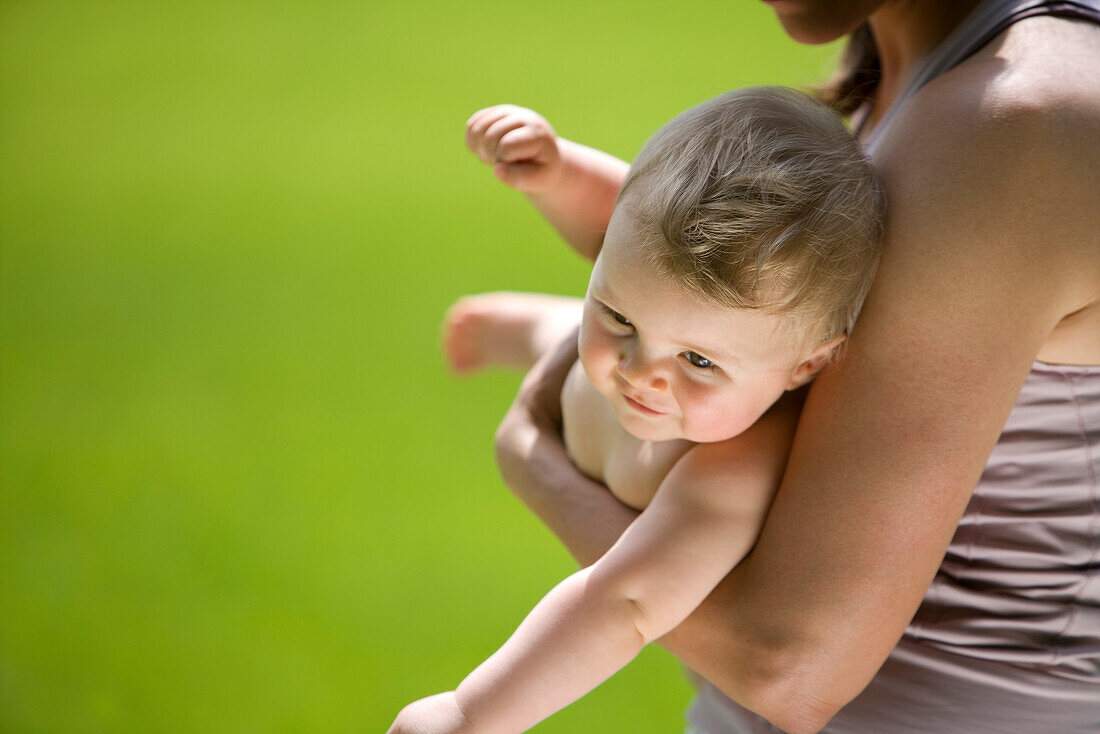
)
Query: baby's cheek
[
  {"x": 708, "y": 422},
  {"x": 597, "y": 356}
]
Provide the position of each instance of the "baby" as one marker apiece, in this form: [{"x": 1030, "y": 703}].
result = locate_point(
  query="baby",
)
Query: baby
[{"x": 740, "y": 249}]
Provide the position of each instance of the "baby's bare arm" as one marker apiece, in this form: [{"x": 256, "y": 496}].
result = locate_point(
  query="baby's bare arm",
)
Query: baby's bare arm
[
  {"x": 703, "y": 520},
  {"x": 580, "y": 206},
  {"x": 572, "y": 185}
]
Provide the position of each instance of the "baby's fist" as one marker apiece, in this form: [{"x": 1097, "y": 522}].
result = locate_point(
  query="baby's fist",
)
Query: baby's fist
[
  {"x": 518, "y": 143},
  {"x": 438, "y": 714}
]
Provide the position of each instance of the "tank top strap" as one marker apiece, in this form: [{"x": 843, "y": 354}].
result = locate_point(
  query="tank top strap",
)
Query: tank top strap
[{"x": 984, "y": 22}]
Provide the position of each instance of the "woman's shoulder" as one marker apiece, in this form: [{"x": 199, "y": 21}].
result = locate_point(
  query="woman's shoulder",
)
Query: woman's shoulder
[
  {"x": 1021, "y": 117},
  {"x": 1047, "y": 58},
  {"x": 1003, "y": 149},
  {"x": 1038, "y": 78}
]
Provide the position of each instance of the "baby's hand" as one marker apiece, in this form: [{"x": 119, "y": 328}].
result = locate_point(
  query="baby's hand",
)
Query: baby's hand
[
  {"x": 437, "y": 714},
  {"x": 519, "y": 144}
]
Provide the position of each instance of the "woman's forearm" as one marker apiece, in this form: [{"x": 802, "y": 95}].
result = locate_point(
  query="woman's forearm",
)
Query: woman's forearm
[
  {"x": 579, "y": 205},
  {"x": 582, "y": 513}
]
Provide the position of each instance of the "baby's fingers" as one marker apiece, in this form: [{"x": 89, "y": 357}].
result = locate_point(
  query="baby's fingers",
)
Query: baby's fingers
[
  {"x": 525, "y": 143},
  {"x": 478, "y": 125},
  {"x": 504, "y": 126}
]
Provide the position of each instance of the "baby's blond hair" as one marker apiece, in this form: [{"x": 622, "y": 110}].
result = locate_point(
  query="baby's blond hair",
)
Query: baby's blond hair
[{"x": 761, "y": 198}]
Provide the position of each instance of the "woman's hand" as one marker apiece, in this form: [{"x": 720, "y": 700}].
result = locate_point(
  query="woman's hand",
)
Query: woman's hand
[{"x": 438, "y": 714}]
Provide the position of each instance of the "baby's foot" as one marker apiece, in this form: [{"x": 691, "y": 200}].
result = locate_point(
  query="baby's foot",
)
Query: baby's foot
[{"x": 506, "y": 329}]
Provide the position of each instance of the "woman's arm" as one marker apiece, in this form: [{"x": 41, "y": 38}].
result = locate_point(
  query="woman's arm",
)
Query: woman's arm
[{"x": 988, "y": 248}]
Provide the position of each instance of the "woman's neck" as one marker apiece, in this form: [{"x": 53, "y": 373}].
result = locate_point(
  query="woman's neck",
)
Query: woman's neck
[{"x": 905, "y": 31}]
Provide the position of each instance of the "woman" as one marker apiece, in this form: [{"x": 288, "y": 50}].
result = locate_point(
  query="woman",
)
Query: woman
[{"x": 984, "y": 123}]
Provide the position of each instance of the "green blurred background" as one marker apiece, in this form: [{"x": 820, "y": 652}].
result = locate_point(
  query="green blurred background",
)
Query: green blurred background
[{"x": 238, "y": 489}]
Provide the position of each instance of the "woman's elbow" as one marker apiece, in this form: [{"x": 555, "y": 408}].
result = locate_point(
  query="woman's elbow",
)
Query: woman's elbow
[
  {"x": 794, "y": 708},
  {"x": 783, "y": 683}
]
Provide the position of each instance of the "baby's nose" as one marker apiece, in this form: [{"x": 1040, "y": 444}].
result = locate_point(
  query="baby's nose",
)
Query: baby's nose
[{"x": 642, "y": 374}]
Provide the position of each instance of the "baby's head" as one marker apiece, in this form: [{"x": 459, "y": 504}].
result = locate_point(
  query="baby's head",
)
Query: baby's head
[{"x": 743, "y": 243}]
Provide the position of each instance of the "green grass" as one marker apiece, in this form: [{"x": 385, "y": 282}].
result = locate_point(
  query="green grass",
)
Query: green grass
[{"x": 238, "y": 490}]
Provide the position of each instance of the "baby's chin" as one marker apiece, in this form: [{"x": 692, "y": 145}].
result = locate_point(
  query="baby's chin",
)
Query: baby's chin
[
  {"x": 650, "y": 430},
  {"x": 715, "y": 434},
  {"x": 670, "y": 428}
]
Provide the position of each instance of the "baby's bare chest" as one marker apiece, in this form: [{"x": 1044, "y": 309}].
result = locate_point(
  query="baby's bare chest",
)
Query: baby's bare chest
[{"x": 631, "y": 468}]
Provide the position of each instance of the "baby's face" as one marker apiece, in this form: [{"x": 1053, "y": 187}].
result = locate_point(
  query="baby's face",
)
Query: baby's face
[{"x": 672, "y": 365}]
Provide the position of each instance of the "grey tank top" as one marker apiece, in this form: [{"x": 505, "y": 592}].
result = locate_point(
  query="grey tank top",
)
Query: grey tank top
[{"x": 1007, "y": 639}]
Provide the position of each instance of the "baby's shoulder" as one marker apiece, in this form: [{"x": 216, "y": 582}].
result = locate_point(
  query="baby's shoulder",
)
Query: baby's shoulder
[{"x": 758, "y": 454}]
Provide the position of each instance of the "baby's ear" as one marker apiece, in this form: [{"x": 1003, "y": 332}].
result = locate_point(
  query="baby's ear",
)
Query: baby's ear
[{"x": 819, "y": 357}]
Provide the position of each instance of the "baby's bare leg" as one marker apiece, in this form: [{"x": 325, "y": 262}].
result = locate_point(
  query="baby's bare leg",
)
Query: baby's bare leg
[{"x": 506, "y": 329}]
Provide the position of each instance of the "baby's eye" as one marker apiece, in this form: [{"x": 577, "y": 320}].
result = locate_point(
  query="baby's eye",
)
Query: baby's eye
[
  {"x": 698, "y": 360},
  {"x": 619, "y": 317}
]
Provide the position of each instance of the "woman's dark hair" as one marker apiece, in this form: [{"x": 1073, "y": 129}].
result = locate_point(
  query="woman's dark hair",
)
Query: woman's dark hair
[{"x": 857, "y": 75}]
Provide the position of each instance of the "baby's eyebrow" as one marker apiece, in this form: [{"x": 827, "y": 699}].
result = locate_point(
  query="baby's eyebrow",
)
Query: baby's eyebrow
[
  {"x": 600, "y": 286},
  {"x": 603, "y": 293}
]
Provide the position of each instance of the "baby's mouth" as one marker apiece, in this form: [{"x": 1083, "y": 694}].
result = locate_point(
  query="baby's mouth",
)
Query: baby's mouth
[{"x": 640, "y": 407}]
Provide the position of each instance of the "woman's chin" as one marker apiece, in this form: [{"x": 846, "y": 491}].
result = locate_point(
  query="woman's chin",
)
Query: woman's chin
[{"x": 813, "y": 23}]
